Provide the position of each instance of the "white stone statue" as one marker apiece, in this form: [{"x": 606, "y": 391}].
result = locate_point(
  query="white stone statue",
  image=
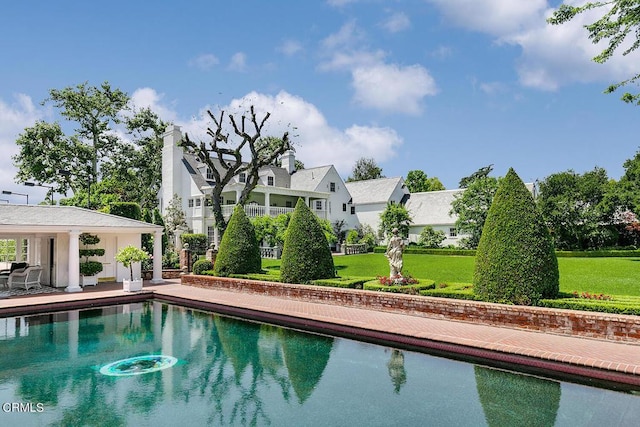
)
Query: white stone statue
[{"x": 394, "y": 254}]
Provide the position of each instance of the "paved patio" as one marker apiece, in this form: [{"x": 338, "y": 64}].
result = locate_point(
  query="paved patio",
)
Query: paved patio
[{"x": 582, "y": 359}]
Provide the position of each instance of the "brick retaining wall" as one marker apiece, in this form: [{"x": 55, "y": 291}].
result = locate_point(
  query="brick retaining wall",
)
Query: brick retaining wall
[{"x": 567, "y": 322}]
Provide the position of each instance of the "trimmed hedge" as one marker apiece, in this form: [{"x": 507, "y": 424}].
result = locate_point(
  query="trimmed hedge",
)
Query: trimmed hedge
[
  {"x": 599, "y": 254},
  {"x": 621, "y": 253},
  {"x": 126, "y": 209},
  {"x": 374, "y": 285},
  {"x": 265, "y": 277},
  {"x": 306, "y": 255},
  {"x": 515, "y": 260},
  {"x": 202, "y": 265},
  {"x": 197, "y": 242},
  {"x": 452, "y": 290},
  {"x": 342, "y": 282},
  {"x": 429, "y": 251},
  {"x": 616, "y": 305},
  {"x": 239, "y": 252}
]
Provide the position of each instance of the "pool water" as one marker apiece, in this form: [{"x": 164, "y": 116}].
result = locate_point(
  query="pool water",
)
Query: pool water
[{"x": 226, "y": 371}]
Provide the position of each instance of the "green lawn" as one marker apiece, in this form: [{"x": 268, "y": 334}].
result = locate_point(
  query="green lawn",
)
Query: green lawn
[{"x": 611, "y": 276}]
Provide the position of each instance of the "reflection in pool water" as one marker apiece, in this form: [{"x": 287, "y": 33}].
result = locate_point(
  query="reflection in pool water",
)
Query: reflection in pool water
[{"x": 234, "y": 372}]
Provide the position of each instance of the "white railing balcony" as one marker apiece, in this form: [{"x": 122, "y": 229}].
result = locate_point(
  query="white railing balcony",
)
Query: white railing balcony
[{"x": 253, "y": 211}]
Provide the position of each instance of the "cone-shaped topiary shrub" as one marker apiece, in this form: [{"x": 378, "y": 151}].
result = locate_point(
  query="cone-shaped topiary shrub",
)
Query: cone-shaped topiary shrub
[
  {"x": 239, "y": 252},
  {"x": 515, "y": 260},
  {"x": 306, "y": 255}
]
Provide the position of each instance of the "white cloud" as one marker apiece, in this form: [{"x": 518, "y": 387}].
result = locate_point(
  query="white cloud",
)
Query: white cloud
[
  {"x": 442, "y": 52},
  {"x": 290, "y": 47},
  {"x": 551, "y": 56},
  {"x": 317, "y": 143},
  {"x": 352, "y": 59},
  {"x": 495, "y": 17},
  {"x": 238, "y": 62},
  {"x": 346, "y": 37},
  {"x": 388, "y": 87},
  {"x": 393, "y": 88},
  {"x": 14, "y": 118},
  {"x": 493, "y": 88},
  {"x": 397, "y": 22},
  {"x": 147, "y": 97},
  {"x": 558, "y": 55},
  {"x": 205, "y": 61}
]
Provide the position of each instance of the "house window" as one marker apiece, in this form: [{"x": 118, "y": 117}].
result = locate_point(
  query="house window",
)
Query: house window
[
  {"x": 190, "y": 203},
  {"x": 209, "y": 173},
  {"x": 353, "y": 210},
  {"x": 344, "y": 207},
  {"x": 288, "y": 204},
  {"x": 270, "y": 181},
  {"x": 242, "y": 177},
  {"x": 318, "y": 205},
  {"x": 210, "y": 234},
  {"x": 332, "y": 187},
  {"x": 453, "y": 232},
  {"x": 7, "y": 250},
  {"x": 198, "y": 202},
  {"x": 24, "y": 250}
]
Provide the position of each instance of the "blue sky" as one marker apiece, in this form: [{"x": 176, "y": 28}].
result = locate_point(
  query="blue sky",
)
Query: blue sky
[{"x": 445, "y": 86}]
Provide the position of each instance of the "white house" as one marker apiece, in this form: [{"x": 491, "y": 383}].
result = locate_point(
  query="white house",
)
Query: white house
[
  {"x": 432, "y": 208},
  {"x": 322, "y": 189},
  {"x": 277, "y": 192},
  {"x": 370, "y": 197},
  {"x": 48, "y": 236}
]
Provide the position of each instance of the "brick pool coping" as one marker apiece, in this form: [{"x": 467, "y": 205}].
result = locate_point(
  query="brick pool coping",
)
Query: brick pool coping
[{"x": 605, "y": 326}]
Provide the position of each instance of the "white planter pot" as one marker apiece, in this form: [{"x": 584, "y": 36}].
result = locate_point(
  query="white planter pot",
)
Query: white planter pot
[
  {"x": 134, "y": 285},
  {"x": 88, "y": 280}
]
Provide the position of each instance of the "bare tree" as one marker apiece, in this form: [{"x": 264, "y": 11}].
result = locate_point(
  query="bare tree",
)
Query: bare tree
[{"x": 225, "y": 162}]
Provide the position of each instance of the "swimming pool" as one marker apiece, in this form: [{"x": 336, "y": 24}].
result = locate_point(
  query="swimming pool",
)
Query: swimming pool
[{"x": 226, "y": 371}]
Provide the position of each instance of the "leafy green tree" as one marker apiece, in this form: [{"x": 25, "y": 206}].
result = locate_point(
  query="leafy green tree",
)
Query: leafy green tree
[
  {"x": 431, "y": 238},
  {"x": 481, "y": 173},
  {"x": 625, "y": 194},
  {"x": 417, "y": 181},
  {"x": 306, "y": 255},
  {"x": 137, "y": 164},
  {"x": 573, "y": 207},
  {"x": 395, "y": 216},
  {"x": 174, "y": 219},
  {"x": 621, "y": 19},
  {"x": 365, "y": 168},
  {"x": 472, "y": 205},
  {"x": 271, "y": 230},
  {"x": 96, "y": 113},
  {"x": 239, "y": 252},
  {"x": 263, "y": 152},
  {"x": 515, "y": 261}
]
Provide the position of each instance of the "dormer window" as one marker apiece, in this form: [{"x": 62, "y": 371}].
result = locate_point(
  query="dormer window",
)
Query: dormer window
[
  {"x": 242, "y": 177},
  {"x": 332, "y": 187},
  {"x": 209, "y": 173},
  {"x": 270, "y": 181}
]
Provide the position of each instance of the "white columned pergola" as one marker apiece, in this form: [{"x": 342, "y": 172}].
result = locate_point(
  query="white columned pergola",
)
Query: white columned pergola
[
  {"x": 74, "y": 262},
  {"x": 157, "y": 257}
]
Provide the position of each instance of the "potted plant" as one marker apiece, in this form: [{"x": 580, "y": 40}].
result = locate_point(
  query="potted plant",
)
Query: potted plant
[
  {"x": 127, "y": 256},
  {"x": 89, "y": 269}
]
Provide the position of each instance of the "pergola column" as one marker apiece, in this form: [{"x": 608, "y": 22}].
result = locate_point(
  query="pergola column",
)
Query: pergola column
[
  {"x": 157, "y": 257},
  {"x": 74, "y": 262},
  {"x": 267, "y": 203}
]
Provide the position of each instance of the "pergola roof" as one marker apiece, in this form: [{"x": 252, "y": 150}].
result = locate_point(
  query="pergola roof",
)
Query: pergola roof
[{"x": 43, "y": 218}]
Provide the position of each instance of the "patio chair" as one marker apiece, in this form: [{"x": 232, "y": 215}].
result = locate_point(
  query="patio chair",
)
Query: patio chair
[
  {"x": 4, "y": 274},
  {"x": 25, "y": 278}
]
